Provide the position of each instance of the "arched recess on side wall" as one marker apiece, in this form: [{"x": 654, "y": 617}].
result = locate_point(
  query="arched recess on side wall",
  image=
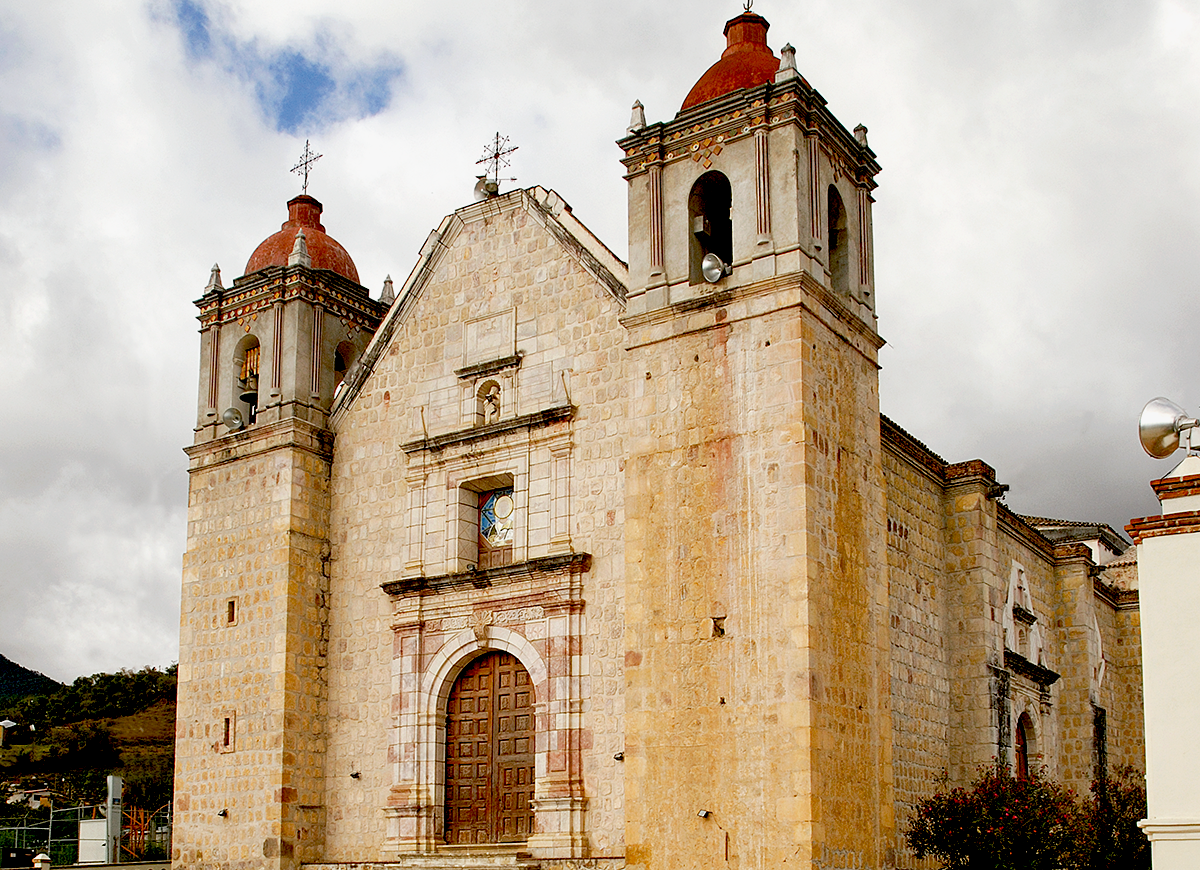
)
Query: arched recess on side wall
[{"x": 1025, "y": 743}]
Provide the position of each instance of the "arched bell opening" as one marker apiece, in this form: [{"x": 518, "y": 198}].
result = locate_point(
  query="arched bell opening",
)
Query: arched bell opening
[
  {"x": 246, "y": 366},
  {"x": 710, "y": 223},
  {"x": 839, "y": 243},
  {"x": 344, "y": 356}
]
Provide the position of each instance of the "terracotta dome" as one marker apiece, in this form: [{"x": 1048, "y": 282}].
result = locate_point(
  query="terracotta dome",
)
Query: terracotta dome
[
  {"x": 323, "y": 250},
  {"x": 746, "y": 62}
]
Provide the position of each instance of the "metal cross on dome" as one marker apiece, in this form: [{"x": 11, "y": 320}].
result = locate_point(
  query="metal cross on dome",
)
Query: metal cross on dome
[
  {"x": 307, "y": 159},
  {"x": 748, "y": 4},
  {"x": 495, "y": 155}
]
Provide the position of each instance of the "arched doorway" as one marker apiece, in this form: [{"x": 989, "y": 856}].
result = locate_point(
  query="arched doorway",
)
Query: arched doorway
[{"x": 490, "y": 753}]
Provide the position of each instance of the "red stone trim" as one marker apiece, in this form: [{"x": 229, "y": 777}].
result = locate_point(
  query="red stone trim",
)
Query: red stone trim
[
  {"x": 1117, "y": 599},
  {"x": 959, "y": 471},
  {"x": 1176, "y": 487},
  {"x": 1181, "y": 523}
]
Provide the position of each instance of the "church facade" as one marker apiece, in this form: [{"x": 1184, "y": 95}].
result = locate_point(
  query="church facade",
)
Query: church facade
[{"x": 548, "y": 559}]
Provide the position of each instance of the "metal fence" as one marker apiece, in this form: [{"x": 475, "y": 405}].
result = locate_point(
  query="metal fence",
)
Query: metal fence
[{"x": 145, "y": 836}]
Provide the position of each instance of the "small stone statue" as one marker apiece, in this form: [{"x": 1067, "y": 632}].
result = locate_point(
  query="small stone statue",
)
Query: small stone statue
[{"x": 491, "y": 404}]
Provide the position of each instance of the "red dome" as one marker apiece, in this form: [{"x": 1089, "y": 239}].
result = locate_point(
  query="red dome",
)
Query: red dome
[
  {"x": 323, "y": 250},
  {"x": 746, "y": 62}
]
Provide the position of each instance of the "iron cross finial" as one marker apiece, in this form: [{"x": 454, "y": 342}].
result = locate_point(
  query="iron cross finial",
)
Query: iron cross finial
[
  {"x": 307, "y": 159},
  {"x": 496, "y": 156},
  {"x": 748, "y": 4}
]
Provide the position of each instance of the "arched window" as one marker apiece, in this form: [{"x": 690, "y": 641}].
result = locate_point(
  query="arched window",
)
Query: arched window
[
  {"x": 839, "y": 243},
  {"x": 709, "y": 222},
  {"x": 246, "y": 368},
  {"x": 490, "y": 753},
  {"x": 1023, "y": 738}
]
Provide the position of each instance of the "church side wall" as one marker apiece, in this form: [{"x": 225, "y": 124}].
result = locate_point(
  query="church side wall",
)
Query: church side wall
[
  {"x": 393, "y": 517},
  {"x": 1121, "y": 691},
  {"x": 1023, "y": 549},
  {"x": 919, "y": 667},
  {"x": 1124, "y": 698}
]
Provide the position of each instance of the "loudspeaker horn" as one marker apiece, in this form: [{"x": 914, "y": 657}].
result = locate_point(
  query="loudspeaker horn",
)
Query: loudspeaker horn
[
  {"x": 714, "y": 269},
  {"x": 1158, "y": 429},
  {"x": 233, "y": 419}
]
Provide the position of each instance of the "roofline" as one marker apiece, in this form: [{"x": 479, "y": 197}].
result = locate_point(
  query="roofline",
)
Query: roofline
[{"x": 547, "y": 207}]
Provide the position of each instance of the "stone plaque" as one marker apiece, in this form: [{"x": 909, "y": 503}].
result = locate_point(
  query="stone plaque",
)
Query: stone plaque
[{"x": 490, "y": 338}]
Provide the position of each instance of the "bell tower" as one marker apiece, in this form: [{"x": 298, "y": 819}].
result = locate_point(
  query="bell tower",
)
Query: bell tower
[
  {"x": 275, "y": 348},
  {"x": 758, "y": 717}
]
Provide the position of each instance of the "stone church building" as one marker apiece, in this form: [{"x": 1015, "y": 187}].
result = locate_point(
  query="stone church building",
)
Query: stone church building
[{"x": 545, "y": 559}]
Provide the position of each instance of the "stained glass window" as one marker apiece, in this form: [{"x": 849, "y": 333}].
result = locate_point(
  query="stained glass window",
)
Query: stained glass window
[{"x": 496, "y": 515}]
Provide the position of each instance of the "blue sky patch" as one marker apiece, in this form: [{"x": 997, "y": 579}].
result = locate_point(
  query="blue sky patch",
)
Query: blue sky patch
[
  {"x": 296, "y": 88},
  {"x": 297, "y": 91},
  {"x": 193, "y": 22}
]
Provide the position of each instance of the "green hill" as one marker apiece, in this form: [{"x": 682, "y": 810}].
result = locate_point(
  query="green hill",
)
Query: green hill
[
  {"x": 17, "y": 682},
  {"x": 69, "y": 740}
]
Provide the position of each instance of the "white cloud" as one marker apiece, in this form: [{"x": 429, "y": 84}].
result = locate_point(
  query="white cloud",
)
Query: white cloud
[{"x": 1036, "y": 242}]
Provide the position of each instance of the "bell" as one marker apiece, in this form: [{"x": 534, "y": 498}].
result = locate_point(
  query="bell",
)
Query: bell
[{"x": 249, "y": 393}]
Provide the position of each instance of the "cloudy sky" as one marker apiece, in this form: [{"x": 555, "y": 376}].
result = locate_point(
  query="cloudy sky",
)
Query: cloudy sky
[{"x": 1037, "y": 228}]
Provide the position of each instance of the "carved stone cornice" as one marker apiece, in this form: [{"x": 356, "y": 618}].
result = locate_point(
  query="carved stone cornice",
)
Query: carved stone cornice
[
  {"x": 478, "y": 433},
  {"x": 487, "y": 368},
  {"x": 260, "y": 438},
  {"x": 252, "y": 294},
  {"x": 566, "y": 563},
  {"x": 1021, "y": 666},
  {"x": 702, "y": 132}
]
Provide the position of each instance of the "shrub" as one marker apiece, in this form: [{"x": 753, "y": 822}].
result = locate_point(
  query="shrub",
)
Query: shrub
[
  {"x": 999, "y": 823},
  {"x": 1111, "y": 837}
]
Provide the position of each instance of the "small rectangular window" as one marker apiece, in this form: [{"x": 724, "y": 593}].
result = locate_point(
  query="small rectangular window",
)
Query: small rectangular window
[
  {"x": 231, "y": 612},
  {"x": 226, "y": 731}
]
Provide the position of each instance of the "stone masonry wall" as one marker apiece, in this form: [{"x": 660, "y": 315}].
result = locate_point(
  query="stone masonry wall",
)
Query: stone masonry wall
[
  {"x": 252, "y": 651},
  {"x": 500, "y": 259},
  {"x": 919, "y": 664},
  {"x": 756, "y": 679}
]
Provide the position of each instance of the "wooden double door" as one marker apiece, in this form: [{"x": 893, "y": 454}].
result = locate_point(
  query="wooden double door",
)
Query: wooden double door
[{"x": 490, "y": 753}]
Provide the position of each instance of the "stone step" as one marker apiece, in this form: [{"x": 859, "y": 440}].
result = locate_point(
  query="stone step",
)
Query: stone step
[{"x": 447, "y": 858}]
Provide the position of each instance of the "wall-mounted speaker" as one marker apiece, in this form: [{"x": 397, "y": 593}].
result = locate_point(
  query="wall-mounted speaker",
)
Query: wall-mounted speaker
[
  {"x": 1160, "y": 426},
  {"x": 233, "y": 419}
]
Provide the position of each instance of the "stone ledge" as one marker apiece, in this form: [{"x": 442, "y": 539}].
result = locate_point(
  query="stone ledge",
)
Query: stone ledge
[
  {"x": 478, "y": 433},
  {"x": 482, "y": 579},
  {"x": 1022, "y": 666},
  {"x": 486, "y": 368}
]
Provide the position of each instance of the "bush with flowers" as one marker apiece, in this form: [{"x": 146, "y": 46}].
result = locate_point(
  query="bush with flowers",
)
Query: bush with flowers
[{"x": 1002, "y": 822}]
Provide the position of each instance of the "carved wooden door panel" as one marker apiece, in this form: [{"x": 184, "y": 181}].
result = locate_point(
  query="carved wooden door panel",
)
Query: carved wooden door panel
[{"x": 490, "y": 753}]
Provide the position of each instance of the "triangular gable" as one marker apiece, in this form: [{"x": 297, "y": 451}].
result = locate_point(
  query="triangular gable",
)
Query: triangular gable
[{"x": 547, "y": 208}]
